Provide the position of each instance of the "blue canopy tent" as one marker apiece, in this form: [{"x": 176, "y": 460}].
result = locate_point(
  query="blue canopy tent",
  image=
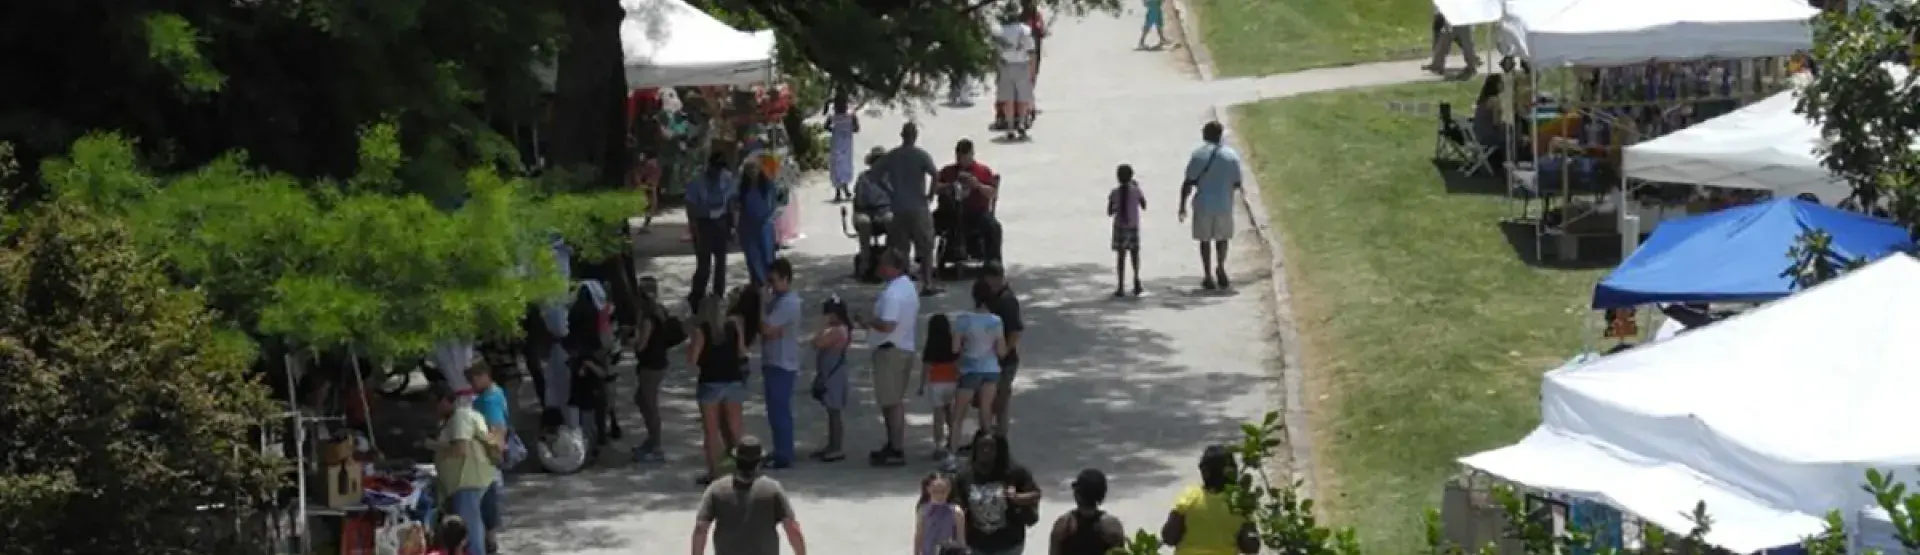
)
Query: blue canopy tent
[{"x": 1738, "y": 254}]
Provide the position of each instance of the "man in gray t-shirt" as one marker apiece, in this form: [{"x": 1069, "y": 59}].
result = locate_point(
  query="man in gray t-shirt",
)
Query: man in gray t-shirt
[
  {"x": 744, "y": 514},
  {"x": 908, "y": 169}
]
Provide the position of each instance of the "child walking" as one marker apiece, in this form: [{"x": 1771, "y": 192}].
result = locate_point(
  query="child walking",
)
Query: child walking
[
  {"x": 940, "y": 378},
  {"x": 1124, "y": 205},
  {"x": 1156, "y": 22},
  {"x": 938, "y": 523},
  {"x": 842, "y": 124},
  {"x": 830, "y": 374}
]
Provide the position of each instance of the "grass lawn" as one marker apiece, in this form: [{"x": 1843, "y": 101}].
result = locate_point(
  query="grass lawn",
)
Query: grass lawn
[
  {"x": 1264, "y": 37},
  {"x": 1424, "y": 333}
]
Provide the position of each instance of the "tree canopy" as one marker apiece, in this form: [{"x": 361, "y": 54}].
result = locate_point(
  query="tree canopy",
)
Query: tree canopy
[
  {"x": 1869, "y": 114},
  {"x": 125, "y": 403}
]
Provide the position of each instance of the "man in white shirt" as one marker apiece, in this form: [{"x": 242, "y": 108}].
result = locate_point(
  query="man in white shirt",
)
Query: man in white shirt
[
  {"x": 896, "y": 315},
  {"x": 1015, "y": 45}
]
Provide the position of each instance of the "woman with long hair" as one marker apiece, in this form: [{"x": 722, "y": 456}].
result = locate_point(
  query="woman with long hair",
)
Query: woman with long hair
[
  {"x": 999, "y": 498},
  {"x": 718, "y": 347},
  {"x": 651, "y": 339},
  {"x": 981, "y": 339}
]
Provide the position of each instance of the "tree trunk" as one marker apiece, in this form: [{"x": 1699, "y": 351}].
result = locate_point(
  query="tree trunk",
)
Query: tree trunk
[{"x": 589, "y": 91}]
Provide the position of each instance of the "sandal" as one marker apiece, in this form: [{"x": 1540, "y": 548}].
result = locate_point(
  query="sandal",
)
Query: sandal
[{"x": 828, "y": 456}]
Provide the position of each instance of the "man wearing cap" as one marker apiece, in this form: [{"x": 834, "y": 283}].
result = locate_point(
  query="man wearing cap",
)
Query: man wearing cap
[
  {"x": 1087, "y": 530},
  {"x": 745, "y": 514},
  {"x": 1202, "y": 521}
]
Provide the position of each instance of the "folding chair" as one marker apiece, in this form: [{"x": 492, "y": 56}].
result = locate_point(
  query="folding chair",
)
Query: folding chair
[{"x": 1458, "y": 143}]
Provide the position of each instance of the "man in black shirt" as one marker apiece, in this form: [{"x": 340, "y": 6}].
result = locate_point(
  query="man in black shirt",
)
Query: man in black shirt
[{"x": 1004, "y": 303}]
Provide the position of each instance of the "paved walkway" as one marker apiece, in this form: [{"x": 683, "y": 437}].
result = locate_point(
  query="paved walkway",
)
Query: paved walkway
[{"x": 1134, "y": 387}]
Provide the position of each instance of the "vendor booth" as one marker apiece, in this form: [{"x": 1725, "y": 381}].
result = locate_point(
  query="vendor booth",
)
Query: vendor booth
[
  {"x": 1598, "y": 75},
  {"x": 1738, "y": 254},
  {"x": 1771, "y": 418},
  {"x": 668, "y": 43},
  {"x": 1765, "y": 146}
]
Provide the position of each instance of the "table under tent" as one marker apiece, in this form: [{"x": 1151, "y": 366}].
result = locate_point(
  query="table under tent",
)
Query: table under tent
[
  {"x": 1598, "y": 75},
  {"x": 1771, "y": 419}
]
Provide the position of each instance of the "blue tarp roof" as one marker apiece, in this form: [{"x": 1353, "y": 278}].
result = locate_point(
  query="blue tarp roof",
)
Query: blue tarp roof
[{"x": 1738, "y": 254}]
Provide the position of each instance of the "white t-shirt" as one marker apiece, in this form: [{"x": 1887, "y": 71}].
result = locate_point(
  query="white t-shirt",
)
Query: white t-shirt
[
  {"x": 899, "y": 303},
  {"x": 1015, "y": 42}
]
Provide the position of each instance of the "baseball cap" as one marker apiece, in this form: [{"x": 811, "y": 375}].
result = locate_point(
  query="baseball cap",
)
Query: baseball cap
[{"x": 992, "y": 268}]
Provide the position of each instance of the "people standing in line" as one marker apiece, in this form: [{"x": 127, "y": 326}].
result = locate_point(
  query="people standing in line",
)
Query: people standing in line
[
  {"x": 1015, "y": 45},
  {"x": 1124, "y": 204},
  {"x": 717, "y": 346},
  {"x": 999, "y": 498},
  {"x": 939, "y": 380},
  {"x": 746, "y": 513},
  {"x": 710, "y": 202},
  {"x": 464, "y": 461},
  {"x": 1003, "y": 302},
  {"x": 1213, "y": 177},
  {"x": 830, "y": 385},
  {"x": 841, "y": 125},
  {"x": 780, "y": 358},
  {"x": 938, "y": 521},
  {"x": 1445, "y": 35},
  {"x": 655, "y": 334},
  {"x": 896, "y": 316},
  {"x": 590, "y": 361},
  {"x": 909, "y": 169},
  {"x": 1156, "y": 23},
  {"x": 1202, "y": 521},
  {"x": 759, "y": 203},
  {"x": 982, "y": 339},
  {"x": 1087, "y": 530}
]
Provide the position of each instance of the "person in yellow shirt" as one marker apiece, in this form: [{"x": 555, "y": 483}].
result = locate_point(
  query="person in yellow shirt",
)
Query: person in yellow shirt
[
  {"x": 465, "y": 459},
  {"x": 1201, "y": 522}
]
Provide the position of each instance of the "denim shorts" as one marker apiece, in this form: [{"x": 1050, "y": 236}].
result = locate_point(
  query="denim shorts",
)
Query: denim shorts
[
  {"x": 722, "y": 392},
  {"x": 973, "y": 381}
]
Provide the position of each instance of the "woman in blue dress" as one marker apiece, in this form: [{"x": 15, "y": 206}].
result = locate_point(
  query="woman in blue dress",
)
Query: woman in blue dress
[
  {"x": 842, "y": 124},
  {"x": 759, "y": 203}
]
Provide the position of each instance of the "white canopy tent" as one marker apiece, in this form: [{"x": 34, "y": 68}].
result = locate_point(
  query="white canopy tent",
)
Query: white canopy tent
[
  {"x": 1763, "y": 146},
  {"x": 1771, "y": 418},
  {"x": 1615, "y": 32},
  {"x": 1469, "y": 12},
  {"x": 669, "y": 43}
]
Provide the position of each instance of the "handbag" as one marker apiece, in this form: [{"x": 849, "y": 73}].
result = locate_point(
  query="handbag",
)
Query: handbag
[
  {"x": 400, "y": 535},
  {"x": 515, "y": 453},
  {"x": 819, "y": 389}
]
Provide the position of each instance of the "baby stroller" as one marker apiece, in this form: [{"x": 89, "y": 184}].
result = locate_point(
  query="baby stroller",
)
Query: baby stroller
[
  {"x": 958, "y": 247},
  {"x": 869, "y": 231}
]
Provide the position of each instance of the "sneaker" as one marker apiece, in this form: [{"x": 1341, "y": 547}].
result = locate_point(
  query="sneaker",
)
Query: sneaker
[
  {"x": 1224, "y": 282},
  {"x": 997, "y": 125},
  {"x": 771, "y": 464},
  {"x": 1207, "y": 284},
  {"x": 1139, "y": 291},
  {"x": 1120, "y": 292},
  {"x": 828, "y": 456},
  {"x": 887, "y": 457}
]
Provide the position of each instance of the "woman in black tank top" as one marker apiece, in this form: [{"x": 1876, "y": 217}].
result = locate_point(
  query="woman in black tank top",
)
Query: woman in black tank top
[
  {"x": 1087, "y": 530},
  {"x": 718, "y": 349}
]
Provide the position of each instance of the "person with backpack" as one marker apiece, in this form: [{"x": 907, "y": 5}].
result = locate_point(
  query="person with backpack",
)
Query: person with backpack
[
  {"x": 1087, "y": 530},
  {"x": 656, "y": 332}
]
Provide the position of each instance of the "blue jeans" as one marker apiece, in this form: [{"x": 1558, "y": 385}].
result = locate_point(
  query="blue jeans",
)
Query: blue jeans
[
  {"x": 470, "y": 504},
  {"x": 756, "y": 245},
  {"x": 779, "y": 389},
  {"x": 490, "y": 504}
]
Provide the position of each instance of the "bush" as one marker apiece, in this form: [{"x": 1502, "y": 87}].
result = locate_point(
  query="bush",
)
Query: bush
[{"x": 125, "y": 406}]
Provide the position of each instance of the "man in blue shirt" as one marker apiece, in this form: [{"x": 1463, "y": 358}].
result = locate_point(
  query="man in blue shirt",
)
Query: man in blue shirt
[
  {"x": 1213, "y": 176},
  {"x": 710, "y": 218}
]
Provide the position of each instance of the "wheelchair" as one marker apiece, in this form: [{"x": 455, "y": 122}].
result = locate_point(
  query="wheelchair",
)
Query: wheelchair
[
  {"x": 958, "y": 249},
  {"x": 866, "y": 259}
]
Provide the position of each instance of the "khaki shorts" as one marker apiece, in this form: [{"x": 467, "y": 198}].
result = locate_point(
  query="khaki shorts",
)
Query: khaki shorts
[
  {"x": 912, "y": 230},
  {"x": 1209, "y": 225},
  {"x": 892, "y": 369}
]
